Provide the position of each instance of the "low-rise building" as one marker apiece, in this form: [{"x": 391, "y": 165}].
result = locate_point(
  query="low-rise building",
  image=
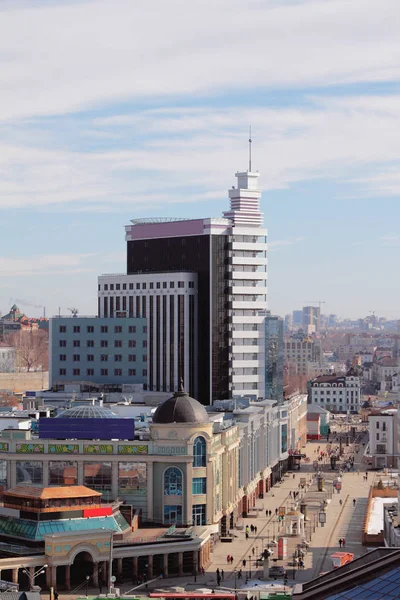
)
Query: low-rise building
[
  {"x": 383, "y": 438},
  {"x": 101, "y": 351},
  {"x": 336, "y": 393}
]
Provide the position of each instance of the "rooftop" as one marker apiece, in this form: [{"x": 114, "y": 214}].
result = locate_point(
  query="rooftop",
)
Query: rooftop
[{"x": 48, "y": 493}]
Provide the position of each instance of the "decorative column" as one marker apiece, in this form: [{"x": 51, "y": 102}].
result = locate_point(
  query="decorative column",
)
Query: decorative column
[
  {"x": 135, "y": 567},
  {"x": 54, "y": 576},
  {"x": 80, "y": 473},
  {"x": 68, "y": 577},
  {"x": 48, "y": 577},
  {"x": 150, "y": 566},
  {"x": 114, "y": 480},
  {"x": 46, "y": 473},
  {"x": 15, "y": 575},
  {"x": 188, "y": 499},
  {"x": 180, "y": 564},
  {"x": 119, "y": 567},
  {"x": 165, "y": 565},
  {"x": 95, "y": 578},
  {"x": 150, "y": 512}
]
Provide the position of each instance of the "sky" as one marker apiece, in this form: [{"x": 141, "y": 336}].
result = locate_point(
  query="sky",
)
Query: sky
[{"x": 114, "y": 110}]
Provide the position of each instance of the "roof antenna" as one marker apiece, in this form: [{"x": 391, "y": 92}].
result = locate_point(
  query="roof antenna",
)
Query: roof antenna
[{"x": 250, "y": 140}]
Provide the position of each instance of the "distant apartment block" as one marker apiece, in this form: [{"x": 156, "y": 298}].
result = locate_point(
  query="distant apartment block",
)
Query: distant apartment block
[
  {"x": 300, "y": 351},
  {"x": 109, "y": 352}
]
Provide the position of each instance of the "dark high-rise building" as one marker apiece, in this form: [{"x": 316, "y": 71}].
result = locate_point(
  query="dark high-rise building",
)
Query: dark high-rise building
[{"x": 223, "y": 332}]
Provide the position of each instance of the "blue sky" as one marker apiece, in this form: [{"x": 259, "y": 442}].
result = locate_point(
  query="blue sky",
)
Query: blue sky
[{"x": 115, "y": 110}]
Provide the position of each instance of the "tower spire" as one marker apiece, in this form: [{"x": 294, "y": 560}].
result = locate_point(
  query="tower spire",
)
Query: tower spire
[{"x": 250, "y": 140}]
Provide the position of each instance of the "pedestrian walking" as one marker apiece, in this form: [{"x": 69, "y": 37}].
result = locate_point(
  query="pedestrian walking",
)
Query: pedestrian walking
[
  {"x": 290, "y": 494},
  {"x": 354, "y": 501},
  {"x": 228, "y": 559},
  {"x": 222, "y": 574},
  {"x": 247, "y": 535},
  {"x": 266, "y": 513},
  {"x": 276, "y": 512},
  {"x": 251, "y": 528},
  {"x": 240, "y": 574},
  {"x": 231, "y": 559},
  {"x": 270, "y": 513},
  {"x": 255, "y": 529},
  {"x": 344, "y": 543},
  {"x": 244, "y": 563},
  {"x": 340, "y": 543},
  {"x": 253, "y": 550},
  {"x": 203, "y": 571}
]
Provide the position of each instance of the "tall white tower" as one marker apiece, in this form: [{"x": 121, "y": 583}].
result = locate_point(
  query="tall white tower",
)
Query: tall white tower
[{"x": 248, "y": 281}]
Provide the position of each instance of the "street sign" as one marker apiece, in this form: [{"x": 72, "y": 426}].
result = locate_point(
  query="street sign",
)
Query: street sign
[{"x": 113, "y": 579}]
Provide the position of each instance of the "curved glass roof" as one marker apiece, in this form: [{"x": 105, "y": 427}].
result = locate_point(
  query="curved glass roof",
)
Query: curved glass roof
[{"x": 87, "y": 412}]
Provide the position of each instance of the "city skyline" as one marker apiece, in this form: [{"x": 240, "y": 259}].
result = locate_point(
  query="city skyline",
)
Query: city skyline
[{"x": 153, "y": 120}]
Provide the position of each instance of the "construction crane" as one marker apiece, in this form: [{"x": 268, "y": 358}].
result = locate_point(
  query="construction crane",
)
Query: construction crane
[{"x": 74, "y": 311}]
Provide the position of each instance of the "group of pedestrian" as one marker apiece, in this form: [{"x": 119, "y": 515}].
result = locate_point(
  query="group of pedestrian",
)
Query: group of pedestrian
[
  {"x": 342, "y": 543},
  {"x": 268, "y": 513},
  {"x": 293, "y": 495},
  {"x": 229, "y": 559},
  {"x": 252, "y": 528},
  {"x": 365, "y": 477}
]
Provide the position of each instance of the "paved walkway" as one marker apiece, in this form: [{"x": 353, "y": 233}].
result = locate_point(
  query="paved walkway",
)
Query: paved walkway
[{"x": 343, "y": 521}]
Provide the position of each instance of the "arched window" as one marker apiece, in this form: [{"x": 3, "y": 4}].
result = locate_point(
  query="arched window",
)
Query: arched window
[
  {"x": 199, "y": 452},
  {"x": 173, "y": 482}
]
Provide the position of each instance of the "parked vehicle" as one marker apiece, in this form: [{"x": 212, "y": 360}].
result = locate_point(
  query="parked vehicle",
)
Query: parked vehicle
[
  {"x": 341, "y": 558},
  {"x": 277, "y": 572}
]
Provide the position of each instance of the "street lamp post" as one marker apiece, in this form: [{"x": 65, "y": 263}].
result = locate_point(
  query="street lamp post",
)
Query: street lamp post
[
  {"x": 249, "y": 566},
  {"x": 87, "y": 584},
  {"x": 235, "y": 573},
  {"x": 34, "y": 575}
]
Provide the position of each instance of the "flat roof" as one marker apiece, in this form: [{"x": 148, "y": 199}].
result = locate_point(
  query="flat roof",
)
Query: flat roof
[{"x": 47, "y": 493}]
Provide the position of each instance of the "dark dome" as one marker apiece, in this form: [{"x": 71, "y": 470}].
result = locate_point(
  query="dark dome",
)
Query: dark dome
[
  {"x": 181, "y": 408},
  {"x": 87, "y": 412}
]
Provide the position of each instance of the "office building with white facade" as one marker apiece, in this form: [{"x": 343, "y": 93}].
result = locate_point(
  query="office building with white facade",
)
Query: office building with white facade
[{"x": 205, "y": 297}]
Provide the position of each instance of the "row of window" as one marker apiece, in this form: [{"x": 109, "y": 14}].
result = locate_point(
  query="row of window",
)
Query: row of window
[
  {"x": 143, "y": 286},
  {"x": 103, "y": 357},
  {"x": 103, "y": 372},
  {"x": 103, "y": 344},
  {"x": 173, "y": 515},
  {"x": 103, "y": 329}
]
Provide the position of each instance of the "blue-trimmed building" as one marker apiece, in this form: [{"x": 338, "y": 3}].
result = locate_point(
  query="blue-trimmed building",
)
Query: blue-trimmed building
[{"x": 98, "y": 351}]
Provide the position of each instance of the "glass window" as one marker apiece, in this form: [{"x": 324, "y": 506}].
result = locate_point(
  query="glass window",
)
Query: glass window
[
  {"x": 131, "y": 372},
  {"x": 63, "y": 343},
  {"x": 76, "y": 329},
  {"x": 199, "y": 485},
  {"x": 29, "y": 472},
  {"x": 132, "y": 343},
  {"x": 173, "y": 482},
  {"x": 106, "y": 287},
  {"x": 132, "y": 357},
  {"x": 63, "y": 357},
  {"x": 173, "y": 515},
  {"x": 104, "y": 372},
  {"x": 164, "y": 285},
  {"x": 90, "y": 329},
  {"x": 124, "y": 286},
  {"x": 111, "y": 286},
  {"x": 117, "y": 343},
  {"x": 104, "y": 343},
  {"x": 97, "y": 475},
  {"x": 199, "y": 452},
  {"x": 132, "y": 476},
  {"x": 63, "y": 473},
  {"x": 118, "y": 329},
  {"x": 90, "y": 372},
  {"x": 199, "y": 514},
  {"x": 77, "y": 343},
  {"x": 76, "y": 372},
  {"x": 117, "y": 357},
  {"x": 132, "y": 329},
  {"x": 62, "y": 371},
  {"x": 76, "y": 357},
  {"x": 118, "y": 372},
  {"x": 63, "y": 329},
  {"x": 90, "y": 344}
]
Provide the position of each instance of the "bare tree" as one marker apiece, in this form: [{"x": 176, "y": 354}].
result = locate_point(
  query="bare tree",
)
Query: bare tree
[{"x": 32, "y": 349}]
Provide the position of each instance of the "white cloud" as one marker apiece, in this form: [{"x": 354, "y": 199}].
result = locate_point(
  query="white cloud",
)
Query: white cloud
[
  {"x": 60, "y": 57},
  {"x": 276, "y": 244},
  {"x": 49, "y": 264}
]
